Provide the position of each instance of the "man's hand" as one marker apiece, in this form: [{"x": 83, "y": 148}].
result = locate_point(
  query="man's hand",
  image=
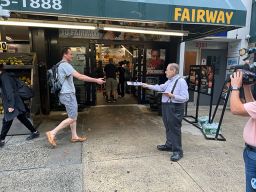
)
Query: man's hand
[
  {"x": 10, "y": 110},
  {"x": 100, "y": 81},
  {"x": 145, "y": 85},
  {"x": 169, "y": 95},
  {"x": 236, "y": 106},
  {"x": 236, "y": 79}
]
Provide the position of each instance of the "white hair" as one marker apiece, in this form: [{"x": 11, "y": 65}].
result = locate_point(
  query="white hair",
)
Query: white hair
[{"x": 174, "y": 66}]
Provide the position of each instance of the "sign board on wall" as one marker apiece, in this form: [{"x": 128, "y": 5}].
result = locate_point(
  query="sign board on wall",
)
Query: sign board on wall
[
  {"x": 186, "y": 11},
  {"x": 110, "y": 35},
  {"x": 3, "y": 46},
  {"x": 201, "y": 44},
  {"x": 77, "y": 33},
  {"x": 195, "y": 45},
  {"x": 232, "y": 61},
  {"x": 155, "y": 60},
  {"x": 203, "y": 61},
  {"x": 18, "y": 48}
]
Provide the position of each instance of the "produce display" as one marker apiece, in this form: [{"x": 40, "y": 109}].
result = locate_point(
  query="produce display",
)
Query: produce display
[
  {"x": 25, "y": 79},
  {"x": 11, "y": 61},
  {"x": 1, "y": 109},
  {"x": 16, "y": 59}
]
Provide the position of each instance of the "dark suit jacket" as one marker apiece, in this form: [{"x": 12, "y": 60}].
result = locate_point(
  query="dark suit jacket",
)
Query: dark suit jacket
[{"x": 10, "y": 98}]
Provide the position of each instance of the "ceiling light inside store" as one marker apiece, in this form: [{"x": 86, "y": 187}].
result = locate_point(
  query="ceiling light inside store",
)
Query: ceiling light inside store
[
  {"x": 145, "y": 31},
  {"x": 126, "y": 49},
  {"x": 46, "y": 24}
]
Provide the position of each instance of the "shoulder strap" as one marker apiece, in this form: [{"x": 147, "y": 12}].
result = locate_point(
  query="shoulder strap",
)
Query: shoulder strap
[
  {"x": 58, "y": 69},
  {"x": 60, "y": 62},
  {"x": 174, "y": 86}
]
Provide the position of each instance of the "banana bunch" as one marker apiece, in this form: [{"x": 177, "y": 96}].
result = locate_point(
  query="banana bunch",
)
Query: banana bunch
[
  {"x": 15, "y": 61},
  {"x": 25, "y": 79},
  {"x": 11, "y": 61},
  {"x": 1, "y": 109}
]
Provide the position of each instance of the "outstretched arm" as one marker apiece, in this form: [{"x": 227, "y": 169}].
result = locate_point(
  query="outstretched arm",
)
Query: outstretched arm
[
  {"x": 156, "y": 87},
  {"x": 87, "y": 78}
]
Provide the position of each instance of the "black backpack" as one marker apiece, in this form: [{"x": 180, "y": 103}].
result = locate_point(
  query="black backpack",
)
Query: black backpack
[
  {"x": 23, "y": 90},
  {"x": 53, "y": 79}
]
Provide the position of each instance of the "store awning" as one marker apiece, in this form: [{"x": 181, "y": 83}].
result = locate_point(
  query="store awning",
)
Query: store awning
[{"x": 220, "y": 14}]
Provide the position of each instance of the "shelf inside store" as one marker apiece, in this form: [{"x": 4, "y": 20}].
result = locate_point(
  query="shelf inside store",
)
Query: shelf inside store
[{"x": 18, "y": 66}]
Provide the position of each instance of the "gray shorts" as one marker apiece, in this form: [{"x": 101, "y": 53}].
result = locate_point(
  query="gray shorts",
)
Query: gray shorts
[
  {"x": 69, "y": 100},
  {"x": 111, "y": 84}
]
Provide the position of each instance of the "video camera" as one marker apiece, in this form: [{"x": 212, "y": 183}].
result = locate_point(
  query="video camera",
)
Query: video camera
[
  {"x": 249, "y": 70},
  {"x": 247, "y": 52}
]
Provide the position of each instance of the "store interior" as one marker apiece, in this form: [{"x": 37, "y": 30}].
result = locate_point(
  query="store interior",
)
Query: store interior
[{"x": 122, "y": 56}]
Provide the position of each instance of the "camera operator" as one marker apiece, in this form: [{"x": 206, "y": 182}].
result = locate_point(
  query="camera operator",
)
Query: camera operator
[{"x": 249, "y": 134}]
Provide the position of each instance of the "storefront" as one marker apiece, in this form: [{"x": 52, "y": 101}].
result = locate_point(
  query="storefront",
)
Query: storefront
[{"x": 135, "y": 28}]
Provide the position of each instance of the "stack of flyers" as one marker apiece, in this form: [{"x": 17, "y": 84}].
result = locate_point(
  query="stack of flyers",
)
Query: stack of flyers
[{"x": 134, "y": 83}]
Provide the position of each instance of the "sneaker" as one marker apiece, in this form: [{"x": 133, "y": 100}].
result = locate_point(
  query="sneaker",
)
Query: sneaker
[
  {"x": 109, "y": 101},
  {"x": 114, "y": 100},
  {"x": 33, "y": 135},
  {"x": 2, "y": 143},
  {"x": 176, "y": 156}
]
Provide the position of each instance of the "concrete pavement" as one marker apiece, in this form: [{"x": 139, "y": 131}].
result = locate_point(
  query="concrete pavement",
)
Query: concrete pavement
[{"x": 120, "y": 155}]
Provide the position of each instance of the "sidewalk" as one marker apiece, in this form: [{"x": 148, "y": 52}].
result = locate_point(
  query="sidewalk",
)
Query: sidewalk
[{"x": 121, "y": 155}]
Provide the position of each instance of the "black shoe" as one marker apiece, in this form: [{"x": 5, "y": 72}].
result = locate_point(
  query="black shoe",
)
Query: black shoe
[
  {"x": 163, "y": 148},
  {"x": 33, "y": 135},
  {"x": 176, "y": 156},
  {"x": 108, "y": 101},
  {"x": 114, "y": 100},
  {"x": 2, "y": 143}
]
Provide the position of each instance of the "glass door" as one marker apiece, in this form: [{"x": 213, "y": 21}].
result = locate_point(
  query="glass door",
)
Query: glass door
[
  {"x": 78, "y": 63},
  {"x": 139, "y": 71}
]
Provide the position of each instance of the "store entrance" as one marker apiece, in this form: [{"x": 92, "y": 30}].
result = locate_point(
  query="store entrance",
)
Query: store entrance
[
  {"x": 128, "y": 61},
  {"x": 141, "y": 63},
  {"x": 144, "y": 62}
]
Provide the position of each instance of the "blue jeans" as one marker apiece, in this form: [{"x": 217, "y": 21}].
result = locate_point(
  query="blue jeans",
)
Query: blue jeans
[{"x": 250, "y": 168}]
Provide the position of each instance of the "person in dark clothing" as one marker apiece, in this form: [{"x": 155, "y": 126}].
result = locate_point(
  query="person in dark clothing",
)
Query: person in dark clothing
[
  {"x": 127, "y": 75},
  {"x": 111, "y": 82},
  {"x": 121, "y": 71},
  {"x": 99, "y": 70},
  {"x": 13, "y": 107}
]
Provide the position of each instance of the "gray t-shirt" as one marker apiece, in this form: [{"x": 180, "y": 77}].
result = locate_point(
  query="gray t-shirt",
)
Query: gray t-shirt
[{"x": 65, "y": 71}]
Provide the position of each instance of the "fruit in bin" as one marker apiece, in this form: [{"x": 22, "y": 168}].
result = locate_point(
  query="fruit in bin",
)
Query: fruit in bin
[
  {"x": 29, "y": 81},
  {"x": 1, "y": 109},
  {"x": 20, "y": 62}
]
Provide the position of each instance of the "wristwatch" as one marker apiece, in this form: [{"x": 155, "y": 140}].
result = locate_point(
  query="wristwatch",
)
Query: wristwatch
[{"x": 235, "y": 88}]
